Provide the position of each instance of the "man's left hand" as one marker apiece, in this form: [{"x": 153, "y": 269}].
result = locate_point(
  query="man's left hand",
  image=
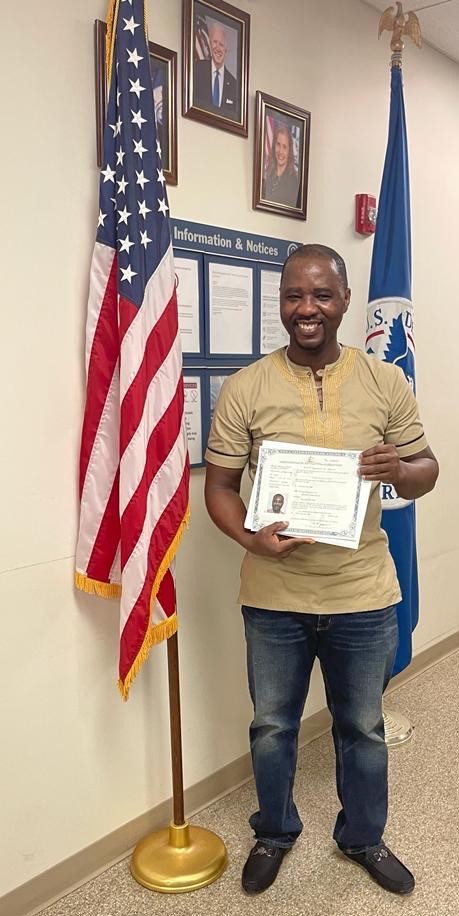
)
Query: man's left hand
[{"x": 381, "y": 463}]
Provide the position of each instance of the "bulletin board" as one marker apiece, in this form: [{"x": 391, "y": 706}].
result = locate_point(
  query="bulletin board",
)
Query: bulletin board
[{"x": 228, "y": 305}]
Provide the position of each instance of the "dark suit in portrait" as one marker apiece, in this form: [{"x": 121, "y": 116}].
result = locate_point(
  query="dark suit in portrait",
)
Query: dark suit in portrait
[{"x": 202, "y": 91}]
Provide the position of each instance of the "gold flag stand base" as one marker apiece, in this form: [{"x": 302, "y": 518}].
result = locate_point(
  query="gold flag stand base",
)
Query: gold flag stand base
[
  {"x": 397, "y": 728},
  {"x": 178, "y": 859}
]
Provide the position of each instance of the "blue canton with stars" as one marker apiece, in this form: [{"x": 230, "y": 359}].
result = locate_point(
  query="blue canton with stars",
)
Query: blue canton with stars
[{"x": 133, "y": 216}]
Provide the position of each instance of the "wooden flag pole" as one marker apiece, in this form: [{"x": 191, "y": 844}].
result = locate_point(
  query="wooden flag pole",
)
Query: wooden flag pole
[
  {"x": 180, "y": 857},
  {"x": 176, "y": 730}
]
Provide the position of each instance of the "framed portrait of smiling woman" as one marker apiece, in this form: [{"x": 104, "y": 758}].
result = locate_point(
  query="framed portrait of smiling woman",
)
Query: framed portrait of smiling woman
[
  {"x": 281, "y": 157},
  {"x": 216, "y": 64}
]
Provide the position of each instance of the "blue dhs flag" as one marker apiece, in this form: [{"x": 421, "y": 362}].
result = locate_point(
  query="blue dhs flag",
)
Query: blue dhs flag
[{"x": 390, "y": 337}]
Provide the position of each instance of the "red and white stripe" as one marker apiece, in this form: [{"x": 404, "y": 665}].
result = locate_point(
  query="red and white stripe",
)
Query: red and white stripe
[
  {"x": 134, "y": 469},
  {"x": 99, "y": 456}
]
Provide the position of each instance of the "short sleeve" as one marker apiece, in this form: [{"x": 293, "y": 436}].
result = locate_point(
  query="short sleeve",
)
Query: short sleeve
[
  {"x": 404, "y": 429},
  {"x": 230, "y": 441}
]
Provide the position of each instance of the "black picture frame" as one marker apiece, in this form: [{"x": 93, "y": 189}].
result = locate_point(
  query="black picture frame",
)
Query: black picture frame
[
  {"x": 163, "y": 65},
  {"x": 281, "y": 157},
  {"x": 216, "y": 35}
]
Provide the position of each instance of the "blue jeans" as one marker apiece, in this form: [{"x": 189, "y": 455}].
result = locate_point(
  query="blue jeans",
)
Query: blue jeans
[{"x": 356, "y": 653}]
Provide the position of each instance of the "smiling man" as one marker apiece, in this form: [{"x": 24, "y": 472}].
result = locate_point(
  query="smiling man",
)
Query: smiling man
[
  {"x": 276, "y": 503},
  {"x": 302, "y": 600}
]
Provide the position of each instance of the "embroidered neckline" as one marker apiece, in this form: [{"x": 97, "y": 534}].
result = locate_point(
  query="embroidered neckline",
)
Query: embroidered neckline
[{"x": 322, "y": 425}]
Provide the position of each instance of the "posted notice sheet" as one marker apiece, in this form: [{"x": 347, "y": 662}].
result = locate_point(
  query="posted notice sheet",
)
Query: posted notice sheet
[
  {"x": 231, "y": 308},
  {"x": 193, "y": 413},
  {"x": 187, "y": 286},
  {"x": 272, "y": 332}
]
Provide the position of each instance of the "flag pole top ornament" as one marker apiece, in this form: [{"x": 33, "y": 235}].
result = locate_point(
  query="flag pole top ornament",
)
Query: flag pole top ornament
[{"x": 399, "y": 23}]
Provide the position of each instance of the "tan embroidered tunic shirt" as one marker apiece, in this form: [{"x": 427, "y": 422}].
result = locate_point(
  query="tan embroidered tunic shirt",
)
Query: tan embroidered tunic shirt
[{"x": 364, "y": 402}]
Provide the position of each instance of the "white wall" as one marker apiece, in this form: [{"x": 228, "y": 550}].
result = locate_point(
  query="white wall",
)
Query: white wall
[{"x": 76, "y": 762}]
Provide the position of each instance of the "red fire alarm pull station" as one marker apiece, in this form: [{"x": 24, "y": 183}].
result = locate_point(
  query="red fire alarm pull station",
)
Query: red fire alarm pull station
[{"x": 365, "y": 213}]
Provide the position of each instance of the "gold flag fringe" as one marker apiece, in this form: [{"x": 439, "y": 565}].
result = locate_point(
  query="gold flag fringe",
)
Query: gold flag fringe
[
  {"x": 153, "y": 636},
  {"x": 169, "y": 556},
  {"x": 166, "y": 628},
  {"x": 112, "y": 16},
  {"x": 94, "y": 587}
]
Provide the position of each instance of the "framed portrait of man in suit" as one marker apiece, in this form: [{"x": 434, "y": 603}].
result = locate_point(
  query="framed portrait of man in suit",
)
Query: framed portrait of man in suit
[{"x": 216, "y": 64}]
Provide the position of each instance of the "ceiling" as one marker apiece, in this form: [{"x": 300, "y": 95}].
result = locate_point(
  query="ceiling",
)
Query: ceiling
[{"x": 439, "y": 24}]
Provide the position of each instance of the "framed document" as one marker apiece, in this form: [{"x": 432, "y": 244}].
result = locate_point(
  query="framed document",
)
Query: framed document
[{"x": 163, "y": 67}]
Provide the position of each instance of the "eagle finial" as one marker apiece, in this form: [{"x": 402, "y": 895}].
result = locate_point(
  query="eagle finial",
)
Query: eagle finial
[{"x": 395, "y": 21}]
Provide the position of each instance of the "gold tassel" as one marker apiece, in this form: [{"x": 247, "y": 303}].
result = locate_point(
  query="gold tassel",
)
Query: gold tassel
[
  {"x": 113, "y": 589},
  {"x": 163, "y": 630},
  {"x": 112, "y": 16},
  {"x": 169, "y": 556},
  {"x": 153, "y": 636},
  {"x": 93, "y": 587}
]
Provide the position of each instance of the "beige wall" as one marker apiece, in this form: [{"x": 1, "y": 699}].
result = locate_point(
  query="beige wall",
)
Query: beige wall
[{"x": 76, "y": 763}]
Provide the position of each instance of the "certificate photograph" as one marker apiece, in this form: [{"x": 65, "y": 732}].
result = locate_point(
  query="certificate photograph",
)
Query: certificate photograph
[
  {"x": 216, "y": 64},
  {"x": 318, "y": 490},
  {"x": 281, "y": 157}
]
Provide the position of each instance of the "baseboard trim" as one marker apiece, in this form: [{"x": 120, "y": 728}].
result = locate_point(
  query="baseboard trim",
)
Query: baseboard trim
[
  {"x": 424, "y": 660},
  {"x": 66, "y": 876}
]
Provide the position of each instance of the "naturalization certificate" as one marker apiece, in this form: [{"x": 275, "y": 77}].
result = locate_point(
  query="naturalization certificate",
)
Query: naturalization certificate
[{"x": 317, "y": 490}]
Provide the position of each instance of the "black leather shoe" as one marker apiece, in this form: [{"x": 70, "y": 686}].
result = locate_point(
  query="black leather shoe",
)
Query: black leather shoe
[
  {"x": 261, "y": 868},
  {"x": 385, "y": 868}
]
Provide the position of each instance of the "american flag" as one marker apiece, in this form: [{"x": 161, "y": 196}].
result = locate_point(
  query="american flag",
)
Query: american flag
[
  {"x": 201, "y": 39},
  {"x": 134, "y": 468}
]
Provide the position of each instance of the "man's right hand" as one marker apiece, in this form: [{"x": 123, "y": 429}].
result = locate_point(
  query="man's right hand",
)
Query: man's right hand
[
  {"x": 227, "y": 510},
  {"x": 267, "y": 541}
]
